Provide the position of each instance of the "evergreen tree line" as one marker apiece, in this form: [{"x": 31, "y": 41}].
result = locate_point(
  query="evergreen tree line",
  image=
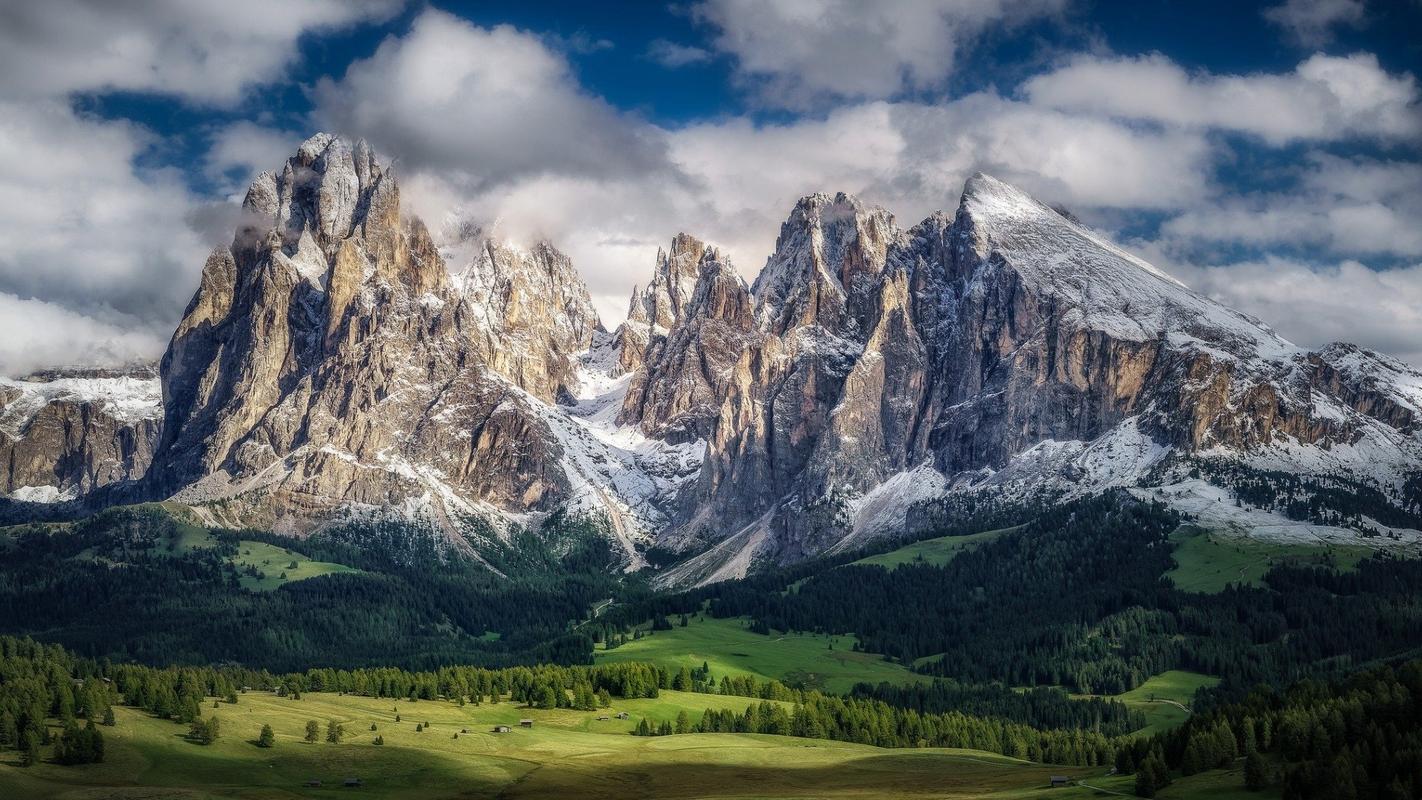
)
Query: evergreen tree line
[
  {"x": 1078, "y": 598},
  {"x": 166, "y": 605},
  {"x": 40, "y": 682},
  {"x": 1355, "y": 739},
  {"x": 1038, "y": 707},
  {"x": 872, "y": 722}
]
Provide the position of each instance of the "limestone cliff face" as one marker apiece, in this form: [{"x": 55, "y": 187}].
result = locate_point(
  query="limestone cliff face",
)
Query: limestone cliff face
[
  {"x": 65, "y": 433},
  {"x": 535, "y": 316},
  {"x": 331, "y": 358},
  {"x": 658, "y": 307},
  {"x": 970, "y": 342},
  {"x": 686, "y": 373},
  {"x": 328, "y": 359}
]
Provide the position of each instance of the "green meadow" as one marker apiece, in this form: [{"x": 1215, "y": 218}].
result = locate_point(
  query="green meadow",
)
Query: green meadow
[
  {"x": 565, "y": 754},
  {"x": 1165, "y": 699},
  {"x": 936, "y": 552},
  {"x": 1208, "y": 561},
  {"x": 728, "y": 647}
]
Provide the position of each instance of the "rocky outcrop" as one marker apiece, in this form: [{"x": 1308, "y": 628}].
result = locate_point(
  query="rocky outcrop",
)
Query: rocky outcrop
[
  {"x": 657, "y": 308},
  {"x": 971, "y": 342},
  {"x": 686, "y": 373},
  {"x": 66, "y": 433},
  {"x": 328, "y": 359},
  {"x": 534, "y": 315}
]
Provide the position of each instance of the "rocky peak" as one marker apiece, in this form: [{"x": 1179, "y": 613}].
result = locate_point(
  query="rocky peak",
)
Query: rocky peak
[
  {"x": 685, "y": 375},
  {"x": 664, "y": 299},
  {"x": 1096, "y": 284},
  {"x": 323, "y": 263},
  {"x": 656, "y": 308},
  {"x": 534, "y": 313},
  {"x": 826, "y": 261}
]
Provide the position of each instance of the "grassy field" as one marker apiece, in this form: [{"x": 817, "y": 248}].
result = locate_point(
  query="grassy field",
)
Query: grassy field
[
  {"x": 728, "y": 648},
  {"x": 931, "y": 551},
  {"x": 1207, "y": 562},
  {"x": 1216, "y": 784},
  {"x": 268, "y": 559},
  {"x": 565, "y": 754},
  {"x": 272, "y": 561},
  {"x": 1165, "y": 698}
]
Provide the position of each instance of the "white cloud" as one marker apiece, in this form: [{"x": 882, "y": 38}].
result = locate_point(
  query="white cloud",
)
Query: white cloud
[
  {"x": 35, "y": 335},
  {"x": 490, "y": 104},
  {"x": 97, "y": 252},
  {"x": 1311, "y": 22},
  {"x": 208, "y": 52},
  {"x": 1326, "y": 98},
  {"x": 673, "y": 55},
  {"x": 1350, "y": 206},
  {"x": 1314, "y": 305},
  {"x": 800, "y": 54},
  {"x": 491, "y": 122},
  {"x": 82, "y": 227},
  {"x": 241, "y": 150}
]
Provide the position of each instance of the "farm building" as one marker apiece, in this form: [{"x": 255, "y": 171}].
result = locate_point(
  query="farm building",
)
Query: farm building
[
  {"x": 1060, "y": 781},
  {"x": 527, "y": 723},
  {"x": 502, "y": 729},
  {"x": 622, "y": 715}
]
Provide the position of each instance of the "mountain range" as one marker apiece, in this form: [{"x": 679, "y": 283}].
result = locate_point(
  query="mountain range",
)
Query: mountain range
[{"x": 337, "y": 362}]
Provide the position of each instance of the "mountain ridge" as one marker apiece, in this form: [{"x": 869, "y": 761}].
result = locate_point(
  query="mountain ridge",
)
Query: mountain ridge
[{"x": 335, "y": 358}]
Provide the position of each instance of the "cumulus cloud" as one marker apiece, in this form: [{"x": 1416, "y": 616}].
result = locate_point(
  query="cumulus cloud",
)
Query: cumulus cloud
[
  {"x": 98, "y": 252},
  {"x": 1313, "y": 305},
  {"x": 798, "y": 54},
  {"x": 207, "y": 52},
  {"x": 1311, "y": 22},
  {"x": 35, "y": 335},
  {"x": 1326, "y": 98},
  {"x": 1355, "y": 206},
  {"x": 83, "y": 228},
  {"x": 241, "y": 150},
  {"x": 491, "y": 104},
  {"x": 491, "y": 124}
]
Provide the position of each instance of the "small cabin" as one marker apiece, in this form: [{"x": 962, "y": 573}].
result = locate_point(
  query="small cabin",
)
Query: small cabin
[
  {"x": 622, "y": 715},
  {"x": 526, "y": 723},
  {"x": 1059, "y": 781},
  {"x": 353, "y": 783},
  {"x": 502, "y": 729},
  {"x": 603, "y": 718}
]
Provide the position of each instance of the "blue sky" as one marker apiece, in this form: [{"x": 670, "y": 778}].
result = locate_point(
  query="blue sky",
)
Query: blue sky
[{"x": 1268, "y": 154}]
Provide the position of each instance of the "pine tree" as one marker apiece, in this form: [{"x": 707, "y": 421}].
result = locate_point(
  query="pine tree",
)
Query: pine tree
[
  {"x": 266, "y": 738},
  {"x": 334, "y": 732},
  {"x": 313, "y": 731},
  {"x": 1256, "y": 772},
  {"x": 29, "y": 748}
]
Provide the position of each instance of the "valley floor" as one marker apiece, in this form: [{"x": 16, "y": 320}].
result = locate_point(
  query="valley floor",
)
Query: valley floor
[{"x": 565, "y": 754}]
